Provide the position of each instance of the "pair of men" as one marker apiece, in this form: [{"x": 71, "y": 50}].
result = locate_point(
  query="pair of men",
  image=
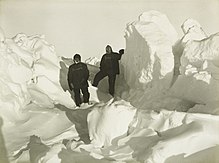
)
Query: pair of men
[{"x": 78, "y": 74}]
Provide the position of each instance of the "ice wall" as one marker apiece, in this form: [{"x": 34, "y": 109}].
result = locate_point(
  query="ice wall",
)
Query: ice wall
[
  {"x": 148, "y": 61},
  {"x": 158, "y": 68},
  {"x": 148, "y": 57}
]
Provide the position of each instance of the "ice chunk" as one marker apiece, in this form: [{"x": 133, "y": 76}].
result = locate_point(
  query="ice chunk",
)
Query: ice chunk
[
  {"x": 108, "y": 121},
  {"x": 148, "y": 56}
]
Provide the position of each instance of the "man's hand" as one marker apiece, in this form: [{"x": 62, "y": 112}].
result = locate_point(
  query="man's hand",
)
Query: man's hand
[{"x": 121, "y": 51}]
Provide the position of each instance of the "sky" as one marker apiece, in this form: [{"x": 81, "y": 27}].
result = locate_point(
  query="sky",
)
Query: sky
[{"x": 87, "y": 26}]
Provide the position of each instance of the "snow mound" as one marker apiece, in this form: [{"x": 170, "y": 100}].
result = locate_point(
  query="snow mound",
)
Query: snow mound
[
  {"x": 30, "y": 90},
  {"x": 29, "y": 70},
  {"x": 148, "y": 50},
  {"x": 167, "y": 134},
  {"x": 103, "y": 122}
]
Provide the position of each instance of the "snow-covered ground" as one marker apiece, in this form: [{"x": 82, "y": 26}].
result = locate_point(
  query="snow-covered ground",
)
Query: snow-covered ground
[{"x": 165, "y": 111}]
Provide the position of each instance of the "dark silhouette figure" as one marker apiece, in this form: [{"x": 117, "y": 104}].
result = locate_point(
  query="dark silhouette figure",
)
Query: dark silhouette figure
[
  {"x": 78, "y": 75},
  {"x": 109, "y": 66}
]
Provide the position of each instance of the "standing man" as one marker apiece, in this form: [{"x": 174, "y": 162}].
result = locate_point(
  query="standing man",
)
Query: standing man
[
  {"x": 109, "y": 66},
  {"x": 78, "y": 75}
]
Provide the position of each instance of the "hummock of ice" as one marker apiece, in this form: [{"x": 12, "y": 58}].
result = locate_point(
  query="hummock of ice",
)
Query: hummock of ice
[
  {"x": 199, "y": 70},
  {"x": 30, "y": 86},
  {"x": 149, "y": 56},
  {"x": 170, "y": 89},
  {"x": 29, "y": 74}
]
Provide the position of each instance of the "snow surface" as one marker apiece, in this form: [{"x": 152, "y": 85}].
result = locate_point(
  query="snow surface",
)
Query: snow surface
[
  {"x": 167, "y": 111},
  {"x": 103, "y": 124}
]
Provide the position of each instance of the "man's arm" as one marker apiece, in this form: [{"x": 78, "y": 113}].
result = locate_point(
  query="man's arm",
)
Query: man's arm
[
  {"x": 102, "y": 62},
  {"x": 121, "y": 52}
]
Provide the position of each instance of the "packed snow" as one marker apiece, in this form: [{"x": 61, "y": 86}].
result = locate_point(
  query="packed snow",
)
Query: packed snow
[{"x": 165, "y": 110}]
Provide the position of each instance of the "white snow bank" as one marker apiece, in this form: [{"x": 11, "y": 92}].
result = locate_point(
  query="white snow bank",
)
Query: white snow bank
[
  {"x": 51, "y": 125},
  {"x": 29, "y": 70},
  {"x": 148, "y": 56},
  {"x": 199, "y": 71},
  {"x": 46, "y": 69},
  {"x": 165, "y": 136},
  {"x": 29, "y": 88},
  {"x": 157, "y": 137},
  {"x": 109, "y": 121}
]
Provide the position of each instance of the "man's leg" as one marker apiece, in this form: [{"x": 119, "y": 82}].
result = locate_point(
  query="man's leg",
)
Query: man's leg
[
  {"x": 77, "y": 96},
  {"x": 99, "y": 76},
  {"x": 111, "y": 80},
  {"x": 86, "y": 94}
]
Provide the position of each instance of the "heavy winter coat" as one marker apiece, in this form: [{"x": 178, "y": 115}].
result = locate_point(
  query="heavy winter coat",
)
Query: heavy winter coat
[
  {"x": 78, "y": 75},
  {"x": 109, "y": 63}
]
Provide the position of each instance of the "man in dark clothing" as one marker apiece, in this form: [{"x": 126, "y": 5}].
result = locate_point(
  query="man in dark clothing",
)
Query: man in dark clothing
[
  {"x": 109, "y": 66},
  {"x": 78, "y": 75}
]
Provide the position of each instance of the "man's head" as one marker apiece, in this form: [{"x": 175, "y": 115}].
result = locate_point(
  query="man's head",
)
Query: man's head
[
  {"x": 109, "y": 49},
  {"x": 77, "y": 58}
]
